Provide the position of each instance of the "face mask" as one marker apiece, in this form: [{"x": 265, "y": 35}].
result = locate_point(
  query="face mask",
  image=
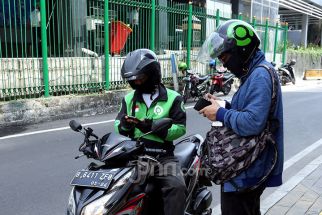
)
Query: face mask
[
  {"x": 146, "y": 87},
  {"x": 235, "y": 66}
]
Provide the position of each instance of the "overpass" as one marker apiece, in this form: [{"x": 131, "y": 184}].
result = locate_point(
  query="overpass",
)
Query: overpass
[{"x": 303, "y": 16}]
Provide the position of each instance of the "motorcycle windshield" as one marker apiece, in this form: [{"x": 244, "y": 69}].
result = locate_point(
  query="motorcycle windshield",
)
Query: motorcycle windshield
[
  {"x": 211, "y": 48},
  {"x": 112, "y": 140}
]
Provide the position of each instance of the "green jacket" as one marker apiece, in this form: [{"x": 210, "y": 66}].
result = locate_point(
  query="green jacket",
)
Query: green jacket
[{"x": 169, "y": 104}]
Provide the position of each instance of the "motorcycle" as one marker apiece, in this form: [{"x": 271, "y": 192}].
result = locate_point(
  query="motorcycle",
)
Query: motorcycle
[
  {"x": 195, "y": 86},
  {"x": 221, "y": 81},
  {"x": 286, "y": 72},
  {"x": 120, "y": 185}
]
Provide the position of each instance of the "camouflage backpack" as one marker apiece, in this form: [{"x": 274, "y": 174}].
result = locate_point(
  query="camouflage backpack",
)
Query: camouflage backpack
[{"x": 227, "y": 154}]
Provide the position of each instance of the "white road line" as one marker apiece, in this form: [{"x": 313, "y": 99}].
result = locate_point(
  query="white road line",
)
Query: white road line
[
  {"x": 282, "y": 191},
  {"x": 51, "y": 130},
  {"x": 59, "y": 129},
  {"x": 302, "y": 154},
  {"x": 216, "y": 210}
]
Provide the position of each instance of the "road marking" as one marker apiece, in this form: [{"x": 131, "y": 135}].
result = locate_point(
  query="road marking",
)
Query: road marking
[
  {"x": 301, "y": 154},
  {"x": 283, "y": 190},
  {"x": 50, "y": 130},
  {"x": 60, "y": 129},
  {"x": 216, "y": 210}
]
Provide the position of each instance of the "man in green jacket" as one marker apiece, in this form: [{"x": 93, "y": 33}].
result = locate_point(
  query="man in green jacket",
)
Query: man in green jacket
[{"x": 151, "y": 101}]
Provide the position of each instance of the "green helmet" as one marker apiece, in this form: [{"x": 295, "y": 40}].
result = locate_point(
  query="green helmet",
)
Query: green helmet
[
  {"x": 182, "y": 66},
  {"x": 234, "y": 36}
]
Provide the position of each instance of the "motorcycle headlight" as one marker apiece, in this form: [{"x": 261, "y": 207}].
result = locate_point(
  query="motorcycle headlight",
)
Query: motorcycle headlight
[
  {"x": 71, "y": 204},
  {"x": 97, "y": 206}
]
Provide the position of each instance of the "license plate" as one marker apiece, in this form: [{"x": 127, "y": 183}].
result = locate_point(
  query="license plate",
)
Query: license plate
[{"x": 96, "y": 179}]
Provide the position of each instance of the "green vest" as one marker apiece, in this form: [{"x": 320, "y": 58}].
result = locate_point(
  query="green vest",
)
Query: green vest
[{"x": 158, "y": 109}]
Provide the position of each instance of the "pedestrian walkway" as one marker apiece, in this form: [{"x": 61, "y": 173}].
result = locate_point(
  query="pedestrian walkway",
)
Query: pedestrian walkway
[
  {"x": 302, "y": 85},
  {"x": 300, "y": 195}
]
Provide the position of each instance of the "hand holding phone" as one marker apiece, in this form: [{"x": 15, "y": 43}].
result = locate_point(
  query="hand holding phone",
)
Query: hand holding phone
[
  {"x": 201, "y": 103},
  {"x": 132, "y": 119}
]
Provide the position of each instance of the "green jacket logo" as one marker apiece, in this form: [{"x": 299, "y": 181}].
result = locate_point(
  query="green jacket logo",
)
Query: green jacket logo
[{"x": 158, "y": 110}]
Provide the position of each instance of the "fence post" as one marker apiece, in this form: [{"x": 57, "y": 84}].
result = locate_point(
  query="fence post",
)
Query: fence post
[
  {"x": 44, "y": 45},
  {"x": 152, "y": 33},
  {"x": 266, "y": 36},
  {"x": 106, "y": 46},
  {"x": 285, "y": 43},
  {"x": 240, "y": 16},
  {"x": 275, "y": 42},
  {"x": 189, "y": 35},
  {"x": 217, "y": 18},
  {"x": 254, "y": 22}
]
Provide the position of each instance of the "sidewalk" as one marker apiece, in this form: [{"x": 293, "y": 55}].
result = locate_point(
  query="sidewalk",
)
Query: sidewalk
[{"x": 300, "y": 195}]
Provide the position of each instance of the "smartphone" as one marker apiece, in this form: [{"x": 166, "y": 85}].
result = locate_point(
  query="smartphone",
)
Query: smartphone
[
  {"x": 136, "y": 120},
  {"x": 201, "y": 103}
]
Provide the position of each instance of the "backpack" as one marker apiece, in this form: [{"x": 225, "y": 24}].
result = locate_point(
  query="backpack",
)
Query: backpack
[{"x": 226, "y": 154}]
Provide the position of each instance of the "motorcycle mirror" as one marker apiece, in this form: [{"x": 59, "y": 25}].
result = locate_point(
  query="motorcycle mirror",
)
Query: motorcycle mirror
[
  {"x": 273, "y": 63},
  {"x": 158, "y": 125},
  {"x": 75, "y": 126},
  {"x": 292, "y": 62},
  {"x": 161, "y": 124}
]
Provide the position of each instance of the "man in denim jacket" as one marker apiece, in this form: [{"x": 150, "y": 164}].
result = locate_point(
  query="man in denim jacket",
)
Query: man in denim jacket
[{"x": 235, "y": 43}]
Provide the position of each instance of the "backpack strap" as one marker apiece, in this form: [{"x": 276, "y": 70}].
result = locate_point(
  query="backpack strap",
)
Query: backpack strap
[{"x": 272, "y": 123}]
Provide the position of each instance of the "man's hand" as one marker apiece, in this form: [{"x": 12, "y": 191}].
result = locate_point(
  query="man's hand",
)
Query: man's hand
[
  {"x": 128, "y": 122},
  {"x": 145, "y": 126},
  {"x": 132, "y": 120},
  {"x": 210, "y": 111},
  {"x": 209, "y": 96}
]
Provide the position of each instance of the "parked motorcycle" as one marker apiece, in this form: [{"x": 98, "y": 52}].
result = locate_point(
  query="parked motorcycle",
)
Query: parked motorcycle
[
  {"x": 195, "y": 86},
  {"x": 286, "y": 72},
  {"x": 119, "y": 184},
  {"x": 221, "y": 81}
]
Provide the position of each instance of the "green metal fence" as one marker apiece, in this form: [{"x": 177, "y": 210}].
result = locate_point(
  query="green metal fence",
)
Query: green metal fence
[{"x": 58, "y": 47}]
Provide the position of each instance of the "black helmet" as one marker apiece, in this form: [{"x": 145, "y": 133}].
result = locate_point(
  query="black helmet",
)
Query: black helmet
[
  {"x": 234, "y": 36},
  {"x": 139, "y": 64}
]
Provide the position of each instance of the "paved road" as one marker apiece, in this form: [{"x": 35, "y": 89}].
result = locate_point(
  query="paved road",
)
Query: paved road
[{"x": 36, "y": 168}]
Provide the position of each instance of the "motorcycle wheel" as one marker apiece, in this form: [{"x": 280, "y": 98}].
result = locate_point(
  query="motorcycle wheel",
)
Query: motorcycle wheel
[
  {"x": 293, "y": 80},
  {"x": 208, "y": 89},
  {"x": 226, "y": 89},
  {"x": 185, "y": 95},
  {"x": 212, "y": 89},
  {"x": 283, "y": 81}
]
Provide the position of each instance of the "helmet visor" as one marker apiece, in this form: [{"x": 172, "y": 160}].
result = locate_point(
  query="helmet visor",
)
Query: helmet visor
[
  {"x": 211, "y": 48},
  {"x": 135, "y": 77}
]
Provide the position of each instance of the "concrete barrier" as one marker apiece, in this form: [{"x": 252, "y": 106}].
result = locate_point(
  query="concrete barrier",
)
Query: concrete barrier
[
  {"x": 312, "y": 74},
  {"x": 304, "y": 62}
]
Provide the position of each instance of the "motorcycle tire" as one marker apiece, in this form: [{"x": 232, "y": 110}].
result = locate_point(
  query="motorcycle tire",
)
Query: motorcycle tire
[
  {"x": 185, "y": 95},
  {"x": 293, "y": 80},
  {"x": 208, "y": 88},
  {"x": 226, "y": 89},
  {"x": 212, "y": 89},
  {"x": 283, "y": 81}
]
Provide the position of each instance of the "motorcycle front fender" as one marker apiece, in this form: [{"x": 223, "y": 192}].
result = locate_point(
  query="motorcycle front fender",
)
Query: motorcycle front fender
[
  {"x": 291, "y": 70},
  {"x": 285, "y": 72},
  {"x": 230, "y": 79}
]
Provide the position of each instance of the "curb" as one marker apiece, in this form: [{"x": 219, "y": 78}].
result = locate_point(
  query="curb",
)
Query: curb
[{"x": 32, "y": 111}]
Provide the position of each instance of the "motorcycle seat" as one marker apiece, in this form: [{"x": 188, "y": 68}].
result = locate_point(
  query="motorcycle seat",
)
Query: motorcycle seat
[
  {"x": 184, "y": 152},
  {"x": 203, "y": 78},
  {"x": 227, "y": 76}
]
